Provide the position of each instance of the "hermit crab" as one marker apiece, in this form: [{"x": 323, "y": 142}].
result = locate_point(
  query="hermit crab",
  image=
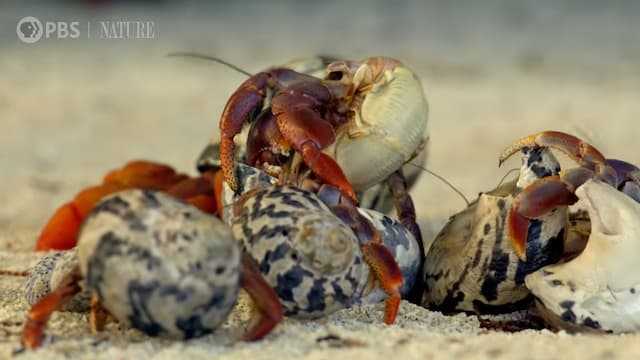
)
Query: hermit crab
[
  {"x": 154, "y": 263},
  {"x": 321, "y": 257},
  {"x": 474, "y": 264},
  {"x": 597, "y": 289},
  {"x": 352, "y": 130},
  {"x": 592, "y": 289},
  {"x": 335, "y": 123}
]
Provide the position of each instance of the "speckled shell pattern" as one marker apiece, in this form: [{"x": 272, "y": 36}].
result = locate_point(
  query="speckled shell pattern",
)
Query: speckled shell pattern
[
  {"x": 159, "y": 264},
  {"x": 471, "y": 265},
  {"x": 48, "y": 273},
  {"x": 312, "y": 260}
]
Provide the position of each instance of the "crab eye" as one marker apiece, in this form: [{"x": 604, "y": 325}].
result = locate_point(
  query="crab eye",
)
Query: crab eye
[{"x": 335, "y": 75}]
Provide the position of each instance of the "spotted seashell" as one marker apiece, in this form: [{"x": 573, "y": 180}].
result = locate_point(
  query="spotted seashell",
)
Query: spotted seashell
[
  {"x": 47, "y": 275},
  {"x": 159, "y": 264}
]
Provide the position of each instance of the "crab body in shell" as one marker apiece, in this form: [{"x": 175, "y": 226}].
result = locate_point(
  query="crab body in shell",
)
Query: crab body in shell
[
  {"x": 293, "y": 234},
  {"x": 353, "y": 129},
  {"x": 314, "y": 261},
  {"x": 473, "y": 263},
  {"x": 155, "y": 263},
  {"x": 597, "y": 289}
]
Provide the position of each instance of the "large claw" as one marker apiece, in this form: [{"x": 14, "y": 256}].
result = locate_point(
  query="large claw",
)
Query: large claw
[
  {"x": 302, "y": 125},
  {"x": 536, "y": 200},
  {"x": 61, "y": 231}
]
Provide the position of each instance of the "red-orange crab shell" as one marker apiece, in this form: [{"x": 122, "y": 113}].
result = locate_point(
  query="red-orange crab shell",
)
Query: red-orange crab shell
[{"x": 61, "y": 231}]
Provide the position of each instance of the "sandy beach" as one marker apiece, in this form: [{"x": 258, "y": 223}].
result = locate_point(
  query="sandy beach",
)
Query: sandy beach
[{"x": 71, "y": 109}]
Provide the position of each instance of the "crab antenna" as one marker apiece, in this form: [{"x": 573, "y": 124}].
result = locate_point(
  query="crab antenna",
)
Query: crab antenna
[
  {"x": 13, "y": 273},
  {"x": 210, "y": 58},
  {"x": 505, "y": 176},
  {"x": 441, "y": 178}
]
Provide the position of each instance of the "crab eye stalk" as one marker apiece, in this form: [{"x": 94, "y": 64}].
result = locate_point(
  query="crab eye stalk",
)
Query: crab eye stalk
[{"x": 335, "y": 75}]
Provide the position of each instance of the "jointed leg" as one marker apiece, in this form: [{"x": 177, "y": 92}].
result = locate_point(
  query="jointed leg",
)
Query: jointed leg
[
  {"x": 39, "y": 314},
  {"x": 406, "y": 213},
  {"x": 264, "y": 297}
]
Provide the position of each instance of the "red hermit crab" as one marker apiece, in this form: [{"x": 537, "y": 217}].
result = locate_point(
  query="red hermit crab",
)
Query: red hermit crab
[
  {"x": 353, "y": 129},
  {"x": 513, "y": 244},
  {"x": 595, "y": 290}
]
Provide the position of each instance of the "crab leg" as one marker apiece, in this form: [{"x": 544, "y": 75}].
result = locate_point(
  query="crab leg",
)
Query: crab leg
[
  {"x": 244, "y": 101},
  {"x": 386, "y": 270},
  {"x": 264, "y": 296},
  {"x": 39, "y": 314},
  {"x": 97, "y": 314},
  {"x": 407, "y": 215},
  {"x": 581, "y": 152},
  {"x": 383, "y": 265}
]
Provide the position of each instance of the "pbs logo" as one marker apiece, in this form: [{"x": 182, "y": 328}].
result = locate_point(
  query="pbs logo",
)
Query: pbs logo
[{"x": 30, "y": 29}]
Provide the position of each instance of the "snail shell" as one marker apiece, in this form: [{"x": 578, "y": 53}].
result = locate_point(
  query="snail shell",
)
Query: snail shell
[
  {"x": 159, "y": 264},
  {"x": 312, "y": 260}
]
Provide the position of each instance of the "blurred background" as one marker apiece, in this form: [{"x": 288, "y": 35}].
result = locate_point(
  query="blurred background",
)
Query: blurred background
[{"x": 72, "y": 108}]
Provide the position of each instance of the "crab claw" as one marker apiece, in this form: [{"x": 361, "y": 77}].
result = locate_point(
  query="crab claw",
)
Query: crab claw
[
  {"x": 539, "y": 198},
  {"x": 581, "y": 152},
  {"x": 309, "y": 133},
  {"x": 598, "y": 288},
  {"x": 547, "y": 193},
  {"x": 536, "y": 200}
]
